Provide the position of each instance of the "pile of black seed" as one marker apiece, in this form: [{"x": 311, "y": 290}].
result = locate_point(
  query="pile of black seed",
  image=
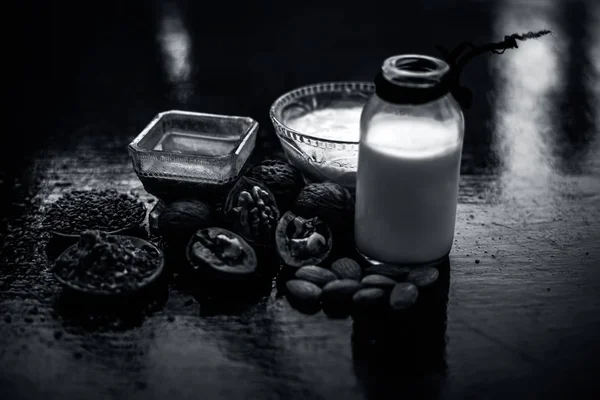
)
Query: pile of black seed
[
  {"x": 106, "y": 210},
  {"x": 108, "y": 263}
]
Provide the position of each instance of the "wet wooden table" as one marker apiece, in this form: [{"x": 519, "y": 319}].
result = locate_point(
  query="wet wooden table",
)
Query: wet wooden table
[{"x": 520, "y": 314}]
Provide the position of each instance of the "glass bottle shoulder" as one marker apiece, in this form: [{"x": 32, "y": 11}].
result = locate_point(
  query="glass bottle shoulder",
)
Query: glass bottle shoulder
[{"x": 445, "y": 111}]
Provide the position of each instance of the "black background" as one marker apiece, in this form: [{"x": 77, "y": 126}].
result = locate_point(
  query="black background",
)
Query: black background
[{"x": 85, "y": 77}]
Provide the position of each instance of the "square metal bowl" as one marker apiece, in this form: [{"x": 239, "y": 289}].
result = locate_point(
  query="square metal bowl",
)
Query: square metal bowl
[{"x": 192, "y": 150}]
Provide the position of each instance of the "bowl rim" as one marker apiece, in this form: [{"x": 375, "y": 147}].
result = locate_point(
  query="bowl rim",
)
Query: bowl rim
[
  {"x": 119, "y": 231},
  {"x": 135, "y": 149},
  {"x": 124, "y": 229},
  {"x": 138, "y": 242},
  {"x": 278, "y": 104}
]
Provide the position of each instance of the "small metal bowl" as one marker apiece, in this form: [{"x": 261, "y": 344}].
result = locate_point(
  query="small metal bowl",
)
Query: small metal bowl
[
  {"x": 320, "y": 158},
  {"x": 109, "y": 293}
]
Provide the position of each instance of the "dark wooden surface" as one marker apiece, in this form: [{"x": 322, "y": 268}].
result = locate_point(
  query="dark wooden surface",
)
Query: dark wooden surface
[{"x": 522, "y": 317}]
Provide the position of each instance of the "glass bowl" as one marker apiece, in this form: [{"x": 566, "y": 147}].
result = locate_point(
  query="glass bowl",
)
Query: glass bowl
[
  {"x": 318, "y": 127},
  {"x": 181, "y": 152}
]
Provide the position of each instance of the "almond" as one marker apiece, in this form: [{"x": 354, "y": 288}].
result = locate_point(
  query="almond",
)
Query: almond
[
  {"x": 423, "y": 276},
  {"x": 317, "y": 275},
  {"x": 340, "y": 291},
  {"x": 369, "y": 298},
  {"x": 303, "y": 291},
  {"x": 403, "y": 296},
  {"x": 347, "y": 268},
  {"x": 391, "y": 271},
  {"x": 378, "y": 281}
]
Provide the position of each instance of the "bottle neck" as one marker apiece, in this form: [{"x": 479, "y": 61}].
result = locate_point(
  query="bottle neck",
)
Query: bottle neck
[{"x": 412, "y": 79}]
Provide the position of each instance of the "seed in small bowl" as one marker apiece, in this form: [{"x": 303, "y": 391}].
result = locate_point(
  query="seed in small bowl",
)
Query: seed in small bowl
[
  {"x": 104, "y": 210},
  {"x": 104, "y": 264}
]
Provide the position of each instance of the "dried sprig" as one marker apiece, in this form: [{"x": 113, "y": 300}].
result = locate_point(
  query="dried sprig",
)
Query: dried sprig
[
  {"x": 530, "y": 35},
  {"x": 469, "y": 51}
]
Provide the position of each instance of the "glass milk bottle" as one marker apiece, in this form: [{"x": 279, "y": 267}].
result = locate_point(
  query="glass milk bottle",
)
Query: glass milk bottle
[{"x": 411, "y": 136}]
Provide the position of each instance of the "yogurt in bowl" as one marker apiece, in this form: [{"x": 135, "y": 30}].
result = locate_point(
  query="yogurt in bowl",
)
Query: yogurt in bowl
[
  {"x": 329, "y": 123},
  {"x": 319, "y": 129}
]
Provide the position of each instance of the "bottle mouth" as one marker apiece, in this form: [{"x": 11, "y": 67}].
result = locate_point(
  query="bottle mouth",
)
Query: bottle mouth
[{"x": 414, "y": 70}]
